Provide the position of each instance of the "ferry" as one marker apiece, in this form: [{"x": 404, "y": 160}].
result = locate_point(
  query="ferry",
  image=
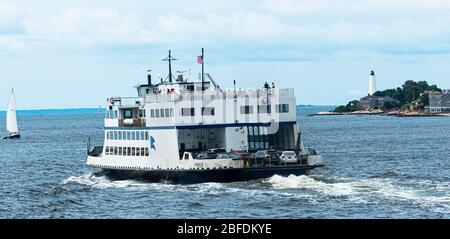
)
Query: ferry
[{"x": 183, "y": 131}]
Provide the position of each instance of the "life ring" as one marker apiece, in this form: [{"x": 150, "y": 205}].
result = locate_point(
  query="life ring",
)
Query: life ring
[{"x": 265, "y": 100}]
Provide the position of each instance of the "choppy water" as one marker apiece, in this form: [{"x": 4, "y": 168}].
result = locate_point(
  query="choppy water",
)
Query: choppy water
[{"x": 377, "y": 167}]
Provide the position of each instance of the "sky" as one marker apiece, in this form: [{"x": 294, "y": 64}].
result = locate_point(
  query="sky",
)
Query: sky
[{"x": 77, "y": 53}]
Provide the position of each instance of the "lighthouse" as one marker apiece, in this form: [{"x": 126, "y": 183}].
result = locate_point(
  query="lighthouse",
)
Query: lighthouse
[{"x": 372, "y": 83}]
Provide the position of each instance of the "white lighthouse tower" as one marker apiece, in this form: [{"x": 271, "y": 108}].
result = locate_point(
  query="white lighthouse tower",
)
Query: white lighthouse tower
[{"x": 372, "y": 83}]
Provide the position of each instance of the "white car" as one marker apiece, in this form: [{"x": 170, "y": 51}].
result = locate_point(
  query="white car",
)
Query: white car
[{"x": 288, "y": 157}]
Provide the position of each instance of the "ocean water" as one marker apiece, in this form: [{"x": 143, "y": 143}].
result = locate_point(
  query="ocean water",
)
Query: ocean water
[{"x": 376, "y": 167}]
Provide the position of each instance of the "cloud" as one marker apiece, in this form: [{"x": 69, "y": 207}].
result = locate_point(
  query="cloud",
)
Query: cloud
[
  {"x": 10, "y": 20},
  {"x": 284, "y": 29},
  {"x": 75, "y": 21},
  {"x": 345, "y": 7}
]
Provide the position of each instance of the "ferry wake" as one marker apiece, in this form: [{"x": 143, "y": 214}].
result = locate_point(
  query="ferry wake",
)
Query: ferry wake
[{"x": 185, "y": 131}]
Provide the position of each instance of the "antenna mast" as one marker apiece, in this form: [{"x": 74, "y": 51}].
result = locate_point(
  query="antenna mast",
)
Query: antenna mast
[{"x": 170, "y": 59}]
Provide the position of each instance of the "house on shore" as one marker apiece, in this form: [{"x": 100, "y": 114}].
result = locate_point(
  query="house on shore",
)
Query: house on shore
[{"x": 439, "y": 102}]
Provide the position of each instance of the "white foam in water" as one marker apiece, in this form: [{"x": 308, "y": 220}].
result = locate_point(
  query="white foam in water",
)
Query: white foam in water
[
  {"x": 359, "y": 191},
  {"x": 103, "y": 182},
  {"x": 364, "y": 188},
  {"x": 292, "y": 181}
]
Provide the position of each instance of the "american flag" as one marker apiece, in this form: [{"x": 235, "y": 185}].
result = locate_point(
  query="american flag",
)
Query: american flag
[{"x": 200, "y": 59}]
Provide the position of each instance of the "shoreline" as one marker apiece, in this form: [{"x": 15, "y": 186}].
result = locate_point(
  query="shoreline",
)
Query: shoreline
[
  {"x": 380, "y": 112},
  {"x": 361, "y": 112}
]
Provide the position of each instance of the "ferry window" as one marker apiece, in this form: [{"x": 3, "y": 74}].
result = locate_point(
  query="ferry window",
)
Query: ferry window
[
  {"x": 171, "y": 112},
  {"x": 146, "y": 135},
  {"x": 142, "y": 151},
  {"x": 162, "y": 113},
  {"x": 141, "y": 113},
  {"x": 128, "y": 151},
  {"x": 127, "y": 114},
  {"x": 115, "y": 135},
  {"x": 152, "y": 113},
  {"x": 115, "y": 150},
  {"x": 106, "y": 150},
  {"x": 128, "y": 135},
  {"x": 282, "y": 108},
  {"x": 167, "y": 112},
  {"x": 247, "y": 109},
  {"x": 138, "y": 151},
  {"x": 120, "y": 151},
  {"x": 146, "y": 152},
  {"x": 133, "y": 135},
  {"x": 120, "y": 135},
  {"x": 115, "y": 114},
  {"x": 157, "y": 113},
  {"x": 138, "y": 135},
  {"x": 208, "y": 111},
  {"x": 142, "y": 135},
  {"x": 107, "y": 135},
  {"x": 250, "y": 130},
  {"x": 187, "y": 111},
  {"x": 264, "y": 109},
  {"x": 110, "y": 135},
  {"x": 133, "y": 151}
]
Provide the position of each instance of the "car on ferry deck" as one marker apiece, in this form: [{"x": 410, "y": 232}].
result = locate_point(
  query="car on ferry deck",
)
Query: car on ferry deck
[{"x": 288, "y": 157}]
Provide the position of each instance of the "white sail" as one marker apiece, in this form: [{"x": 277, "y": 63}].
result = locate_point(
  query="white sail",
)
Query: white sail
[{"x": 11, "y": 118}]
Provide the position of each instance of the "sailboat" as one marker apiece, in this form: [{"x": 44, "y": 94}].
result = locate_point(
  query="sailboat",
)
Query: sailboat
[{"x": 11, "y": 119}]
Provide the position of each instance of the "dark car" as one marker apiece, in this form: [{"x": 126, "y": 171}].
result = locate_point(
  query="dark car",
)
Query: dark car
[
  {"x": 267, "y": 157},
  {"x": 206, "y": 155}
]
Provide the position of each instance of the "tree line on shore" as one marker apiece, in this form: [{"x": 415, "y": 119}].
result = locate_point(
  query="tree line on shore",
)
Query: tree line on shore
[{"x": 410, "y": 92}]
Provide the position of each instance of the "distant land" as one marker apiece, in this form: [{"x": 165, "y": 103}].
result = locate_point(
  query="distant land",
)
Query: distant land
[
  {"x": 59, "y": 111},
  {"x": 102, "y": 110},
  {"x": 410, "y": 100}
]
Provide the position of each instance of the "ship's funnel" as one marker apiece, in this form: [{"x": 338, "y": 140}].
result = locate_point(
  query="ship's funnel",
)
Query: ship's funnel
[{"x": 149, "y": 79}]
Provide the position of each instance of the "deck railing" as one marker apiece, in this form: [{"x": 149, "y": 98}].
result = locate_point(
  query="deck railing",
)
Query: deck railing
[{"x": 207, "y": 95}]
